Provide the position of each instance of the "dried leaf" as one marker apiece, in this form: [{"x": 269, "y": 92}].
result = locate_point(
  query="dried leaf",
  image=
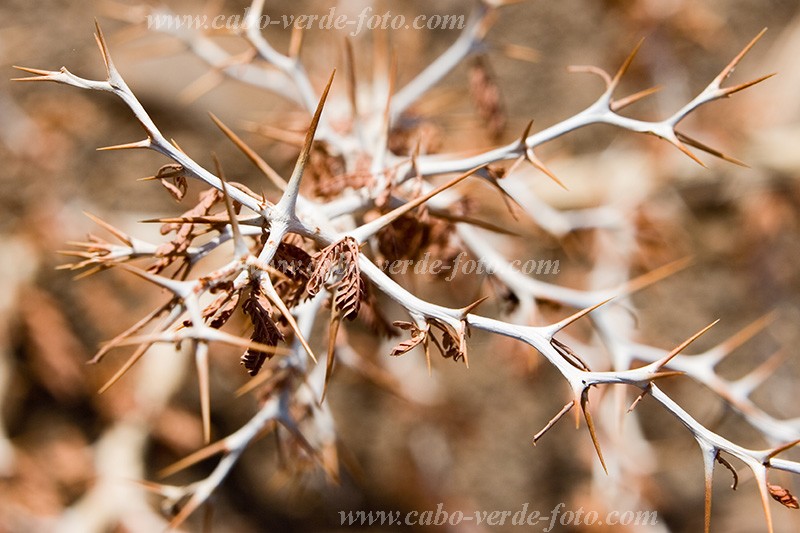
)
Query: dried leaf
[
  {"x": 783, "y": 496},
  {"x": 173, "y": 179},
  {"x": 418, "y": 336},
  {"x": 337, "y": 268},
  {"x": 265, "y": 331}
]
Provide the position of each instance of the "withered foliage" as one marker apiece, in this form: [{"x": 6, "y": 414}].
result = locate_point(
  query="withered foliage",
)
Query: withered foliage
[
  {"x": 221, "y": 309},
  {"x": 173, "y": 179},
  {"x": 412, "y": 235},
  {"x": 415, "y": 133},
  {"x": 265, "y": 331},
  {"x": 295, "y": 263},
  {"x": 452, "y": 345},
  {"x": 418, "y": 337},
  {"x": 336, "y": 267},
  {"x": 184, "y": 233},
  {"x": 328, "y": 173},
  {"x": 486, "y": 97},
  {"x": 783, "y": 496}
]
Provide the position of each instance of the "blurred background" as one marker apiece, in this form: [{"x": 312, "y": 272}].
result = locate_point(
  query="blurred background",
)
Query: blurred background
[{"x": 69, "y": 457}]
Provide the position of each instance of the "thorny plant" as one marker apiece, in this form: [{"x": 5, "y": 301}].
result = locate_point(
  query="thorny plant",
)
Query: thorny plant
[{"x": 373, "y": 201}]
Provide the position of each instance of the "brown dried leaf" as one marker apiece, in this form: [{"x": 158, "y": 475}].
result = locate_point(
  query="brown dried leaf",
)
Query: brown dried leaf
[
  {"x": 173, "y": 179},
  {"x": 259, "y": 310},
  {"x": 176, "y": 248},
  {"x": 417, "y": 337},
  {"x": 340, "y": 259},
  {"x": 783, "y": 496}
]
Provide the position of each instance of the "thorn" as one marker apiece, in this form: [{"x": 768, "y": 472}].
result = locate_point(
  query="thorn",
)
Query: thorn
[
  {"x": 667, "y": 358},
  {"x": 464, "y": 311},
  {"x": 742, "y": 86},
  {"x": 624, "y": 68},
  {"x": 569, "y": 355},
  {"x": 530, "y": 156},
  {"x": 667, "y": 374},
  {"x": 520, "y": 53},
  {"x": 649, "y": 278},
  {"x": 537, "y": 163},
  {"x": 269, "y": 292},
  {"x": 132, "y": 360},
  {"x": 101, "y": 43},
  {"x": 90, "y": 272},
  {"x": 210, "y": 219},
  {"x": 296, "y": 42},
  {"x": 73, "y": 253},
  {"x": 145, "y": 143},
  {"x": 38, "y": 72},
  {"x": 427, "y": 347},
  {"x": 747, "y": 333},
  {"x": 564, "y": 410},
  {"x": 639, "y": 398},
  {"x": 41, "y": 75},
  {"x": 201, "y": 360},
  {"x": 558, "y": 326},
  {"x": 240, "y": 247},
  {"x": 176, "y": 287},
  {"x": 176, "y": 145},
  {"x": 333, "y": 330},
  {"x": 123, "y": 237},
  {"x": 351, "y": 76},
  {"x": 674, "y": 141},
  {"x": 191, "y": 506},
  {"x": 750, "y": 382},
  {"x": 515, "y": 165},
  {"x": 622, "y": 103},
  {"x": 289, "y": 199},
  {"x": 262, "y": 165},
  {"x": 444, "y": 215},
  {"x": 523, "y": 140},
  {"x": 783, "y": 448},
  {"x": 208, "y": 335},
  {"x": 207, "y": 82},
  {"x": 590, "y": 423},
  {"x": 509, "y": 201},
  {"x": 728, "y": 70},
  {"x": 292, "y": 138},
  {"x": 700, "y": 146},
  {"x": 370, "y": 228},
  {"x": 485, "y": 24}
]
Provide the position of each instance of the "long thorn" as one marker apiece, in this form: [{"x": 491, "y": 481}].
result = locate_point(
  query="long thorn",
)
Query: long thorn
[
  {"x": 132, "y": 360},
  {"x": 370, "y": 228},
  {"x": 564, "y": 410},
  {"x": 257, "y": 160},
  {"x": 289, "y": 199},
  {"x": 667, "y": 358},
  {"x": 333, "y": 330},
  {"x": 590, "y": 424},
  {"x": 239, "y": 246},
  {"x": 558, "y": 326},
  {"x": 625, "y": 65},
  {"x": 201, "y": 360}
]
